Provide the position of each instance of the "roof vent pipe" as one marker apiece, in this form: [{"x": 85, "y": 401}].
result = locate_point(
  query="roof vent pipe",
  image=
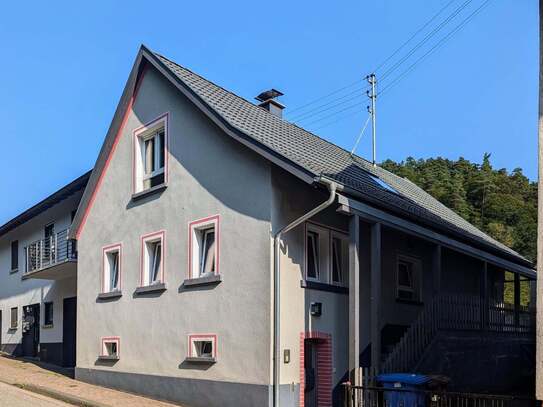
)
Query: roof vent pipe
[{"x": 268, "y": 102}]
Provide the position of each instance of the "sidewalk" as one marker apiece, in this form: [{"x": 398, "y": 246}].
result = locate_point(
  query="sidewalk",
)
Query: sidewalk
[{"x": 32, "y": 377}]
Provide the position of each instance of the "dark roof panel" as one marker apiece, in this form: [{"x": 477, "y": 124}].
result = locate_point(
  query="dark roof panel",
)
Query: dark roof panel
[{"x": 322, "y": 157}]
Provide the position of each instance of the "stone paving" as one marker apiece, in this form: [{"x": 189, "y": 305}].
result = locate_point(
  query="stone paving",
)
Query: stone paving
[{"x": 38, "y": 378}]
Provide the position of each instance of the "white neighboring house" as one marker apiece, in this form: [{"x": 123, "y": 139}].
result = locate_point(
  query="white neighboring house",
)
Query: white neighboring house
[{"x": 38, "y": 267}]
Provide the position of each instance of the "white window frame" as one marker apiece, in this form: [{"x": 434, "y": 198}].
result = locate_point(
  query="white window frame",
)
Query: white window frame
[
  {"x": 11, "y": 324},
  {"x": 110, "y": 339},
  {"x": 193, "y": 338},
  {"x": 197, "y": 232},
  {"x": 142, "y": 134},
  {"x": 344, "y": 262},
  {"x": 323, "y": 249},
  {"x": 106, "y": 268},
  {"x": 145, "y": 269},
  {"x": 417, "y": 278}
]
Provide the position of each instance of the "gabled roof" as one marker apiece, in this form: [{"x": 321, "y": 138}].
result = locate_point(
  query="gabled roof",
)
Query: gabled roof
[
  {"x": 310, "y": 157},
  {"x": 53, "y": 199}
]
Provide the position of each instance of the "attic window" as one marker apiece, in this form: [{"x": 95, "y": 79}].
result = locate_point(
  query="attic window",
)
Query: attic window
[
  {"x": 383, "y": 184},
  {"x": 151, "y": 154}
]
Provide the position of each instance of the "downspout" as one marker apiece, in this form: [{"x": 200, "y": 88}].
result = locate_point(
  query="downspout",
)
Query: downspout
[{"x": 277, "y": 272}]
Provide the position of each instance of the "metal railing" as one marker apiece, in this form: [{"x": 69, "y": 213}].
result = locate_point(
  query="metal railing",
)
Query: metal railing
[
  {"x": 367, "y": 396},
  {"x": 47, "y": 252},
  {"x": 461, "y": 313}
]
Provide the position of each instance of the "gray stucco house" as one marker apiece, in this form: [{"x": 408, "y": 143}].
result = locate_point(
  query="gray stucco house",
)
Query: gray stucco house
[{"x": 227, "y": 257}]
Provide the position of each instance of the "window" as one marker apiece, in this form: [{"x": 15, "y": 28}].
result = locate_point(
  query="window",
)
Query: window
[
  {"x": 408, "y": 277},
  {"x": 14, "y": 321},
  {"x": 327, "y": 255},
  {"x": 111, "y": 268},
  {"x": 203, "y": 346},
  {"x": 204, "y": 247},
  {"x": 14, "y": 255},
  {"x": 48, "y": 314},
  {"x": 340, "y": 258},
  {"x": 150, "y": 155},
  {"x": 152, "y": 259},
  {"x": 383, "y": 184},
  {"x": 110, "y": 348}
]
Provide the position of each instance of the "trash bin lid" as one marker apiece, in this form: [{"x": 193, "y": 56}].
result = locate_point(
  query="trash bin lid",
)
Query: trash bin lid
[{"x": 404, "y": 378}]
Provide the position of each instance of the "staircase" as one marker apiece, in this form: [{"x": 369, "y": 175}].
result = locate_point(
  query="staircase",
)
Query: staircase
[{"x": 455, "y": 313}]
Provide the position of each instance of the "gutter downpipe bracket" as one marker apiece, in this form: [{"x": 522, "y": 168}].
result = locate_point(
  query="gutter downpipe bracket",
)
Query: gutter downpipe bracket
[{"x": 332, "y": 188}]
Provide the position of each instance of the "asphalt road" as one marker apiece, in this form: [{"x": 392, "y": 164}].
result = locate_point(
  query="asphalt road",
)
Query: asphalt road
[{"x": 11, "y": 396}]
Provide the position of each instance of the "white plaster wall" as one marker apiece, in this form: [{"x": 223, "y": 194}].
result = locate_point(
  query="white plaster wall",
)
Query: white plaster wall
[
  {"x": 16, "y": 292},
  {"x": 209, "y": 174}
]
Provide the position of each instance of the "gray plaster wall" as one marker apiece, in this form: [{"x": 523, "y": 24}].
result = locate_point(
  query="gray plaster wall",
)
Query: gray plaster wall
[
  {"x": 291, "y": 199},
  {"x": 209, "y": 174}
]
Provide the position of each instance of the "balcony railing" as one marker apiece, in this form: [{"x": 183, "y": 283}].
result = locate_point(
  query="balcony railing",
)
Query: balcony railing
[{"x": 49, "y": 251}]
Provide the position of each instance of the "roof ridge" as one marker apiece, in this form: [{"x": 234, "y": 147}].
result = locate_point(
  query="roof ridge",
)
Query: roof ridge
[{"x": 285, "y": 121}]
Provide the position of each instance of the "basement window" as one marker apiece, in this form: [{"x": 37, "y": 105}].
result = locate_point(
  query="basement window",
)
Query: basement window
[
  {"x": 48, "y": 314},
  {"x": 14, "y": 318},
  {"x": 110, "y": 348},
  {"x": 111, "y": 278},
  {"x": 203, "y": 347},
  {"x": 151, "y": 149},
  {"x": 408, "y": 278},
  {"x": 204, "y": 247},
  {"x": 152, "y": 258}
]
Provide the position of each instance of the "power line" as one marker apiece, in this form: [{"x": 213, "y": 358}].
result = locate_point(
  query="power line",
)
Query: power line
[
  {"x": 334, "y": 113},
  {"x": 314, "y": 113},
  {"x": 340, "y": 118},
  {"x": 360, "y": 135},
  {"x": 325, "y": 96},
  {"x": 436, "y": 46},
  {"x": 299, "y": 116},
  {"x": 414, "y": 35},
  {"x": 426, "y": 39}
]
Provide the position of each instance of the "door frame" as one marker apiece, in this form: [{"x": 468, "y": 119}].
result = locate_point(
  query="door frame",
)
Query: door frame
[{"x": 322, "y": 343}]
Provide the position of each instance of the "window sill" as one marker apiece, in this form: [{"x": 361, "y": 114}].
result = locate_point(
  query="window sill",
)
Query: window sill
[
  {"x": 195, "y": 359},
  {"x": 47, "y": 326},
  {"x": 192, "y": 282},
  {"x": 148, "y": 289},
  {"x": 314, "y": 285},
  {"x": 13, "y": 271},
  {"x": 409, "y": 302},
  {"x": 12, "y": 329},
  {"x": 110, "y": 295},
  {"x": 150, "y": 191},
  {"x": 108, "y": 358}
]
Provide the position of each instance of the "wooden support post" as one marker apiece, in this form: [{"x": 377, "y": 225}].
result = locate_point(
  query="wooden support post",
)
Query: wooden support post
[
  {"x": 354, "y": 296},
  {"x": 436, "y": 269},
  {"x": 485, "y": 304},
  {"x": 376, "y": 296},
  {"x": 517, "y": 300}
]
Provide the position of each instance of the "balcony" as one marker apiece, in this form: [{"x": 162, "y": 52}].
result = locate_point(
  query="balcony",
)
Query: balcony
[{"x": 52, "y": 258}]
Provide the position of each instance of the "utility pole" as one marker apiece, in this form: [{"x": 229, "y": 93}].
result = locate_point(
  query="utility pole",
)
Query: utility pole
[
  {"x": 373, "y": 96},
  {"x": 539, "y": 289}
]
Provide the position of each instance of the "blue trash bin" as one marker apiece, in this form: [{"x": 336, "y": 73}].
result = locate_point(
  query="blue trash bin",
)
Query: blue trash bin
[{"x": 404, "y": 389}]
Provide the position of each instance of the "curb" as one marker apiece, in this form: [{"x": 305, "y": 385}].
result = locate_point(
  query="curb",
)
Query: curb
[{"x": 57, "y": 395}]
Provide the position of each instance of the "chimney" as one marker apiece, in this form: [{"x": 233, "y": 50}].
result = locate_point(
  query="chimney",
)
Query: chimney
[{"x": 268, "y": 102}]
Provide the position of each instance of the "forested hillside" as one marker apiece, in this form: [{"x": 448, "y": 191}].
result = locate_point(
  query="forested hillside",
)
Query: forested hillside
[{"x": 503, "y": 204}]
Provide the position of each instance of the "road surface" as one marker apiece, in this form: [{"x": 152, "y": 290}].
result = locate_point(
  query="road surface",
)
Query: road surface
[{"x": 11, "y": 396}]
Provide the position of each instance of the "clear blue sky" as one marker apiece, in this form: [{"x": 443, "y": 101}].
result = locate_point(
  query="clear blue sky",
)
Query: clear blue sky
[{"x": 64, "y": 67}]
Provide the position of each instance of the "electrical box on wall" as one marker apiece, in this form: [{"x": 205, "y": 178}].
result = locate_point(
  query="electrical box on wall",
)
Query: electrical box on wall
[
  {"x": 286, "y": 355},
  {"x": 316, "y": 309}
]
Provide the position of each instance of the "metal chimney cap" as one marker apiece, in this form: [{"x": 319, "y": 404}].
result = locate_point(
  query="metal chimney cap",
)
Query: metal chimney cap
[{"x": 268, "y": 94}]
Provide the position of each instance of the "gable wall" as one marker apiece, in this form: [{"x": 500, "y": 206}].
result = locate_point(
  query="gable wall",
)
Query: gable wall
[{"x": 209, "y": 174}]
